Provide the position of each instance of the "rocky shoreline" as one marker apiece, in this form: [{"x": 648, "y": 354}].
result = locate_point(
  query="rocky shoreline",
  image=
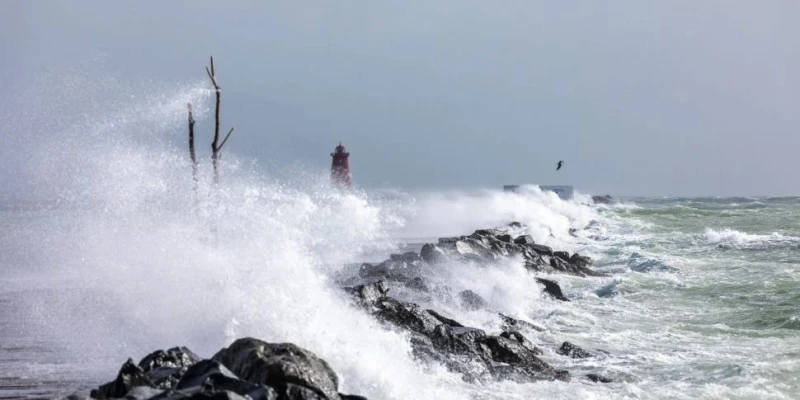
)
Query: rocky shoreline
[{"x": 251, "y": 368}]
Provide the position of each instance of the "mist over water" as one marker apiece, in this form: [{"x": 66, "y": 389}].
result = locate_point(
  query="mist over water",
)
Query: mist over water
[{"x": 108, "y": 253}]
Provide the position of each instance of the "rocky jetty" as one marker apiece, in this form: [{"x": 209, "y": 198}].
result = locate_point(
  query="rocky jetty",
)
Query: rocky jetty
[
  {"x": 483, "y": 247},
  {"x": 478, "y": 356},
  {"x": 253, "y": 369},
  {"x": 247, "y": 369}
]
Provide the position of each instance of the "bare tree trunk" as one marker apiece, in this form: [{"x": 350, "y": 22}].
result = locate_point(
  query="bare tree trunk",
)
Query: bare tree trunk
[
  {"x": 191, "y": 148},
  {"x": 216, "y": 146}
]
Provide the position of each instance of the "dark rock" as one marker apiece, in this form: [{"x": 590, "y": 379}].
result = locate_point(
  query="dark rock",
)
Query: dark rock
[
  {"x": 351, "y": 397},
  {"x": 471, "y": 300},
  {"x": 580, "y": 261},
  {"x": 174, "y": 357},
  {"x": 599, "y": 378},
  {"x": 505, "y": 238},
  {"x": 458, "y": 340},
  {"x": 370, "y": 293},
  {"x": 513, "y": 352},
  {"x": 513, "y": 324},
  {"x": 142, "y": 393},
  {"x": 165, "y": 368},
  {"x": 573, "y": 232},
  {"x": 524, "y": 240},
  {"x": 432, "y": 254},
  {"x": 445, "y": 320},
  {"x": 605, "y": 199},
  {"x": 395, "y": 270},
  {"x": 488, "y": 232},
  {"x": 197, "y": 374},
  {"x": 408, "y": 257},
  {"x": 407, "y": 315},
  {"x": 562, "y": 255},
  {"x": 552, "y": 288},
  {"x": 417, "y": 284},
  {"x": 569, "y": 349},
  {"x": 543, "y": 250},
  {"x": 516, "y": 336},
  {"x": 516, "y": 225},
  {"x": 226, "y": 395},
  {"x": 560, "y": 265},
  {"x": 284, "y": 366},
  {"x": 129, "y": 376},
  {"x": 464, "y": 350}
]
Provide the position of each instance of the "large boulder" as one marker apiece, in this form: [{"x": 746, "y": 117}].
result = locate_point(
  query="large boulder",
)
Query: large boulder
[
  {"x": 129, "y": 376},
  {"x": 571, "y": 350},
  {"x": 285, "y": 367},
  {"x": 265, "y": 371},
  {"x": 552, "y": 288},
  {"x": 165, "y": 368}
]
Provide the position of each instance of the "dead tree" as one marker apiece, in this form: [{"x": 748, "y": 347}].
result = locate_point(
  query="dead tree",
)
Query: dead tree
[
  {"x": 191, "y": 147},
  {"x": 216, "y": 146}
]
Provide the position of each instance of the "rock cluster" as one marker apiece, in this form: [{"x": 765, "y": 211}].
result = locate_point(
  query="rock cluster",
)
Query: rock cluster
[
  {"x": 247, "y": 369},
  {"x": 484, "y": 246},
  {"x": 472, "y": 352},
  {"x": 253, "y": 369}
]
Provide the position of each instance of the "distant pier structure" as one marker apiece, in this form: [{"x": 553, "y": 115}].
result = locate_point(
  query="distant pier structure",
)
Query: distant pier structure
[{"x": 340, "y": 167}]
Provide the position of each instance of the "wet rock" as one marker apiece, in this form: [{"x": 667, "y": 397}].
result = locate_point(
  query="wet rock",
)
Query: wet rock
[
  {"x": 469, "y": 351},
  {"x": 524, "y": 240},
  {"x": 165, "y": 368},
  {"x": 197, "y": 374},
  {"x": 408, "y": 257},
  {"x": 552, "y": 288},
  {"x": 519, "y": 338},
  {"x": 569, "y": 349},
  {"x": 433, "y": 254},
  {"x": 513, "y": 324},
  {"x": 351, "y": 397},
  {"x": 488, "y": 232},
  {"x": 543, "y": 250},
  {"x": 505, "y": 238},
  {"x": 174, "y": 357},
  {"x": 142, "y": 393},
  {"x": 417, "y": 284},
  {"x": 580, "y": 261},
  {"x": 511, "y": 352},
  {"x": 370, "y": 293},
  {"x": 599, "y": 378},
  {"x": 471, "y": 300},
  {"x": 562, "y": 255},
  {"x": 604, "y": 199},
  {"x": 285, "y": 367},
  {"x": 445, "y": 320},
  {"x": 129, "y": 376}
]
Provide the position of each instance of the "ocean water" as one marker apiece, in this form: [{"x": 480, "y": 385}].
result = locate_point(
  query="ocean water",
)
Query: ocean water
[{"x": 107, "y": 252}]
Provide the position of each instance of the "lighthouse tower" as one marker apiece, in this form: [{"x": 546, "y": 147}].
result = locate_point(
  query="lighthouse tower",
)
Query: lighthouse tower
[{"x": 340, "y": 167}]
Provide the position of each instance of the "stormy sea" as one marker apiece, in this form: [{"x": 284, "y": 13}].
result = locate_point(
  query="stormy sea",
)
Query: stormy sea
[{"x": 110, "y": 251}]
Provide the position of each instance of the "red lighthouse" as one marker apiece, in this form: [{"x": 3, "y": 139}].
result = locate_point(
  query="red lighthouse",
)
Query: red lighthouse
[{"x": 340, "y": 167}]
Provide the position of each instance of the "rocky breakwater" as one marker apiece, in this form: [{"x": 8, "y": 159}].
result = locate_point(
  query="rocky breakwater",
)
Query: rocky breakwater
[
  {"x": 474, "y": 353},
  {"x": 483, "y": 247},
  {"x": 247, "y": 369}
]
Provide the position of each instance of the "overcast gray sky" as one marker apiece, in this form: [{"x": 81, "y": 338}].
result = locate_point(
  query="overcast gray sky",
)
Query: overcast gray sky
[{"x": 639, "y": 97}]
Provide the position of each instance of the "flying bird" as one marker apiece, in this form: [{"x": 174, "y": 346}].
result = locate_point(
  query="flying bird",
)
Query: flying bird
[{"x": 559, "y": 165}]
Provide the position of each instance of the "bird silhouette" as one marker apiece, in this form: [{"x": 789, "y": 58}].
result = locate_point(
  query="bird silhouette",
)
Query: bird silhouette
[{"x": 559, "y": 165}]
